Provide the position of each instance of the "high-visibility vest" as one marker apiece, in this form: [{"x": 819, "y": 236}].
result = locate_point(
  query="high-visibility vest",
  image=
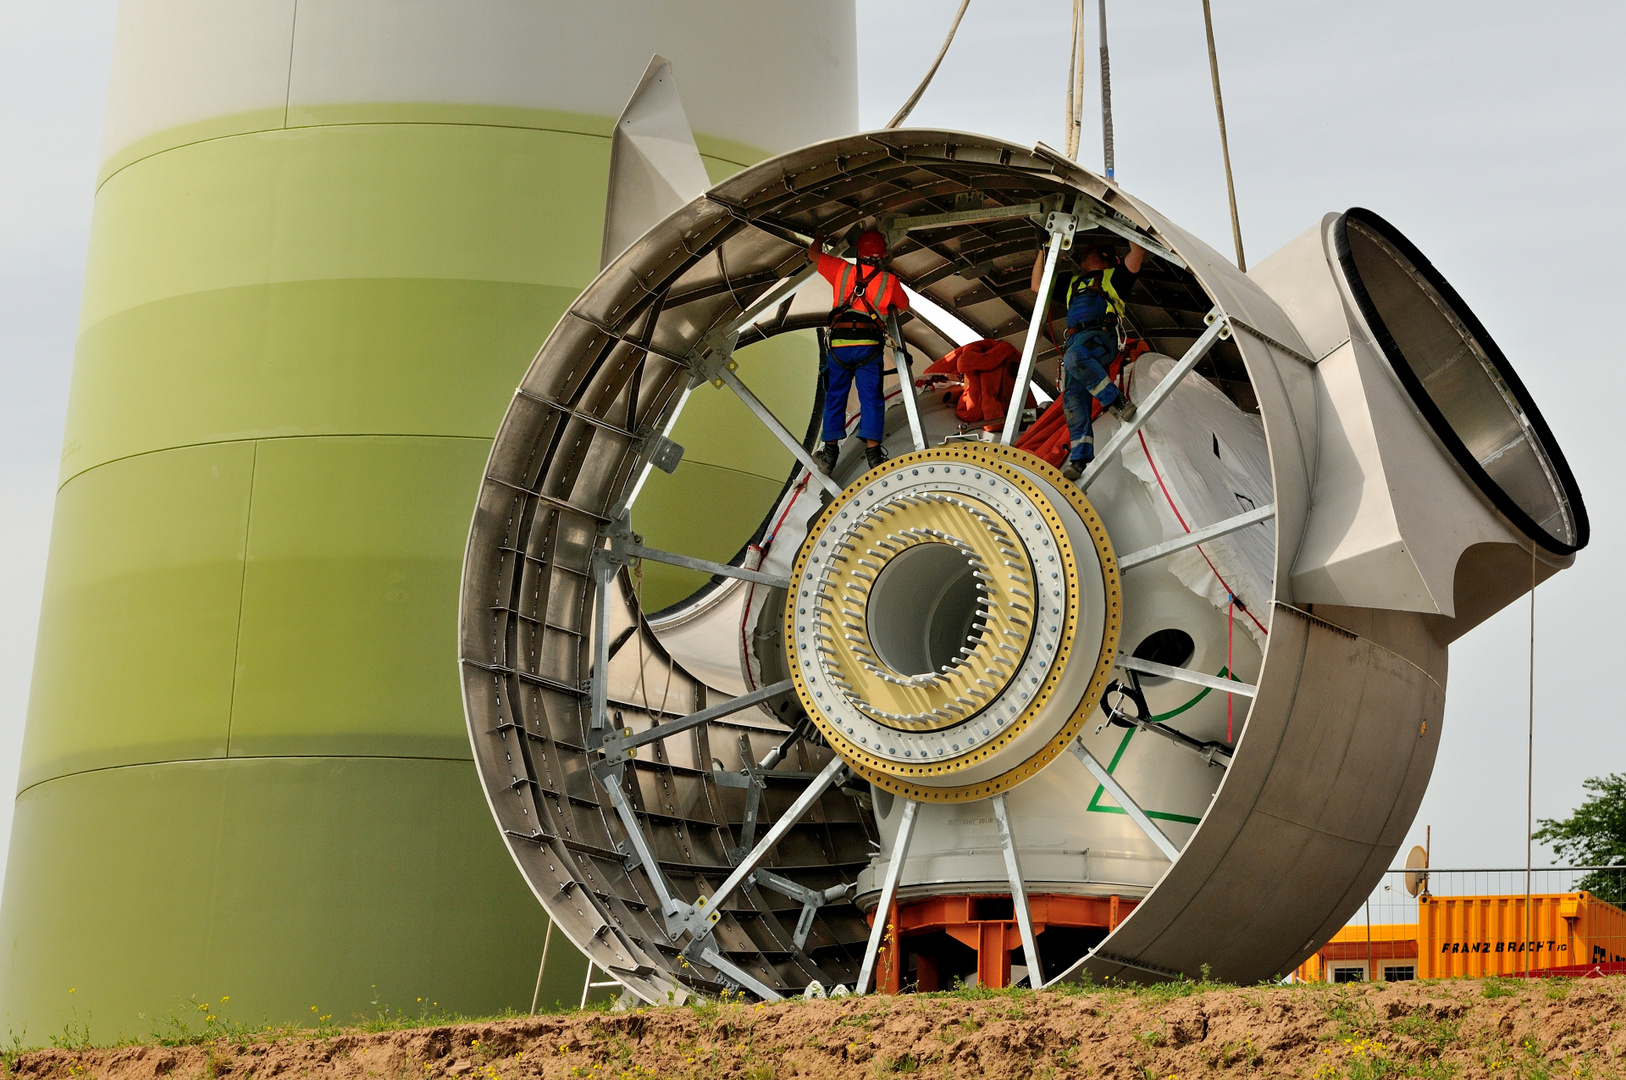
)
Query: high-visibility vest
[
  {"x": 1080, "y": 290},
  {"x": 856, "y": 318}
]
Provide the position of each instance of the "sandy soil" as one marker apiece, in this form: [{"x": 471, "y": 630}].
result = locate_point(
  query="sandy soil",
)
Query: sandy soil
[{"x": 1468, "y": 1029}]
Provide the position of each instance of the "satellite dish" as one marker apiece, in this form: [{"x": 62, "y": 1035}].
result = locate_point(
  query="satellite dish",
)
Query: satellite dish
[{"x": 1417, "y": 871}]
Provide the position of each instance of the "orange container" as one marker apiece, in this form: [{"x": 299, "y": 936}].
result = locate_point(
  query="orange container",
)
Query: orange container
[
  {"x": 1474, "y": 936},
  {"x": 1393, "y": 948}
]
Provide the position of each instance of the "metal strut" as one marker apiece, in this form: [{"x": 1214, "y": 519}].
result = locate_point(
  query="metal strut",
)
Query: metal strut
[
  {"x": 1218, "y": 330},
  {"x": 889, "y": 893},
  {"x": 1201, "y": 536},
  {"x": 710, "y": 954},
  {"x": 621, "y": 745},
  {"x": 671, "y": 908},
  {"x": 1019, "y": 893},
  {"x": 810, "y": 899},
  {"x": 1061, "y": 228},
  {"x": 604, "y": 570},
  {"x": 703, "y": 914},
  {"x": 689, "y": 562},
  {"x": 1210, "y": 752},
  {"x": 1186, "y": 675},
  {"x": 1130, "y": 806},
  {"x": 771, "y": 422},
  {"x": 906, "y": 384}
]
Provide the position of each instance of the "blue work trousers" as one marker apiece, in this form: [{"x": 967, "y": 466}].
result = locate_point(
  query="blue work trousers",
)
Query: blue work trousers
[
  {"x": 849, "y": 363},
  {"x": 1084, "y": 375}
]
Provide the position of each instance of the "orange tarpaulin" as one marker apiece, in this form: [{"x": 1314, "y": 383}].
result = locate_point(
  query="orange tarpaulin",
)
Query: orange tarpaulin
[
  {"x": 1048, "y": 438},
  {"x": 987, "y": 371}
]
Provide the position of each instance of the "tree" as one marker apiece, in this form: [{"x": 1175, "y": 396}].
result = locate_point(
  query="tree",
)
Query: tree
[{"x": 1595, "y": 835}]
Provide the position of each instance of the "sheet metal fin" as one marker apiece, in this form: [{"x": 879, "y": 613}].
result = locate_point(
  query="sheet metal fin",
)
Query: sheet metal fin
[{"x": 655, "y": 167}]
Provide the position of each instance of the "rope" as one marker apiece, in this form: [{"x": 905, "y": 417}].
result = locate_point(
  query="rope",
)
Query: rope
[
  {"x": 1225, "y": 146},
  {"x": 1230, "y": 640},
  {"x": 643, "y": 690},
  {"x": 1075, "y": 84},
  {"x": 1106, "y": 95},
  {"x": 914, "y": 98}
]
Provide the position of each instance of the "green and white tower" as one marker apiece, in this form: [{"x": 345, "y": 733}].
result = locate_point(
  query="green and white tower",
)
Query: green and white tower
[{"x": 329, "y": 236}]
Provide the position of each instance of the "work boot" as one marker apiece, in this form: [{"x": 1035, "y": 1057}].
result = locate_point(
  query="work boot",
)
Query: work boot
[
  {"x": 875, "y": 456},
  {"x": 826, "y": 457},
  {"x": 1073, "y": 469},
  {"x": 1123, "y": 409}
]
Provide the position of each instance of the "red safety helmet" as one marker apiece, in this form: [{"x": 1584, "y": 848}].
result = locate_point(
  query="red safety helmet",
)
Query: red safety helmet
[{"x": 871, "y": 244}]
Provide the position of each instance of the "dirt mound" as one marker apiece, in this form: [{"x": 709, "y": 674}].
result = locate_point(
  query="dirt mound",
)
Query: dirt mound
[{"x": 1464, "y": 1029}]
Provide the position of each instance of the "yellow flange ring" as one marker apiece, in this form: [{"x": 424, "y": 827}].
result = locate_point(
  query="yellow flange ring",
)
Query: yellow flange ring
[{"x": 1020, "y": 560}]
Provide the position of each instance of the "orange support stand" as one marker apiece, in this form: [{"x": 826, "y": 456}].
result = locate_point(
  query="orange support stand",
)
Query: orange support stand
[{"x": 984, "y": 924}]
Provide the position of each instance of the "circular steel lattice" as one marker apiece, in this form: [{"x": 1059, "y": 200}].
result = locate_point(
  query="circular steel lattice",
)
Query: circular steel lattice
[{"x": 714, "y": 838}]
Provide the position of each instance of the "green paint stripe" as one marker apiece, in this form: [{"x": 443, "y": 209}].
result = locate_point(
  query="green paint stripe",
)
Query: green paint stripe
[
  {"x": 1160, "y": 815},
  {"x": 1095, "y": 800}
]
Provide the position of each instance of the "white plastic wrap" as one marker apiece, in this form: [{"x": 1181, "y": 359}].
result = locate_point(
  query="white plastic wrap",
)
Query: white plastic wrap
[{"x": 1204, "y": 460}]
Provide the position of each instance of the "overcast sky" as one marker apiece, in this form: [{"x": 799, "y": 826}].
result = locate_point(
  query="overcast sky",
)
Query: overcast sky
[{"x": 1492, "y": 133}]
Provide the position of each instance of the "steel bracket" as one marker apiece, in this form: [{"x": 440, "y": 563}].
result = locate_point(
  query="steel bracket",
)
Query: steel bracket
[
  {"x": 663, "y": 453},
  {"x": 810, "y": 899}
]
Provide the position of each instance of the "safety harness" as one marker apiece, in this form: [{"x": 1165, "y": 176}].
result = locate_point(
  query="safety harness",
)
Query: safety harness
[
  {"x": 848, "y": 325},
  {"x": 1093, "y": 302}
]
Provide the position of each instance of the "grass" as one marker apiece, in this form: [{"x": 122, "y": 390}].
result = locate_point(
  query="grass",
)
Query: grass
[
  {"x": 1362, "y": 1038},
  {"x": 1433, "y": 1031}
]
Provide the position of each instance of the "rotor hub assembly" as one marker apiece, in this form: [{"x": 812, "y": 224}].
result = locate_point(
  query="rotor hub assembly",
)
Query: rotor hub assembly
[{"x": 954, "y": 620}]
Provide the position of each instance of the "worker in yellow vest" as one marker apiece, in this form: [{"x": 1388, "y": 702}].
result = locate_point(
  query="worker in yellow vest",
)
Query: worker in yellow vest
[{"x": 1094, "y": 300}]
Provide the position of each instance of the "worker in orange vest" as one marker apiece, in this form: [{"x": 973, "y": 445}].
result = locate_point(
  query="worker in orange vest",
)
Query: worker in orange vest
[{"x": 863, "y": 296}]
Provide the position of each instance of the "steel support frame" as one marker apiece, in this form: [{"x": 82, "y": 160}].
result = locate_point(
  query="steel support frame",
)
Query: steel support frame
[
  {"x": 1019, "y": 892},
  {"x": 906, "y": 384},
  {"x": 771, "y": 422},
  {"x": 711, "y": 357},
  {"x": 1200, "y": 536},
  {"x": 1061, "y": 228},
  {"x": 810, "y": 899},
  {"x": 604, "y": 571},
  {"x": 755, "y": 787},
  {"x": 1186, "y": 675},
  {"x": 1218, "y": 330},
  {"x": 1129, "y": 805},
  {"x": 1133, "y": 235},
  {"x": 621, "y": 746},
  {"x": 720, "y": 342},
  {"x": 703, "y": 914},
  {"x": 889, "y": 894},
  {"x": 896, "y": 228},
  {"x": 634, "y": 550},
  {"x": 1210, "y": 752},
  {"x": 710, "y": 954},
  {"x": 671, "y": 907}
]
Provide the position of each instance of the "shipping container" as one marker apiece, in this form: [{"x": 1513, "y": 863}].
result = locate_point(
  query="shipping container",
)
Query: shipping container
[
  {"x": 1486, "y": 935},
  {"x": 1473, "y": 936},
  {"x": 1359, "y": 953}
]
